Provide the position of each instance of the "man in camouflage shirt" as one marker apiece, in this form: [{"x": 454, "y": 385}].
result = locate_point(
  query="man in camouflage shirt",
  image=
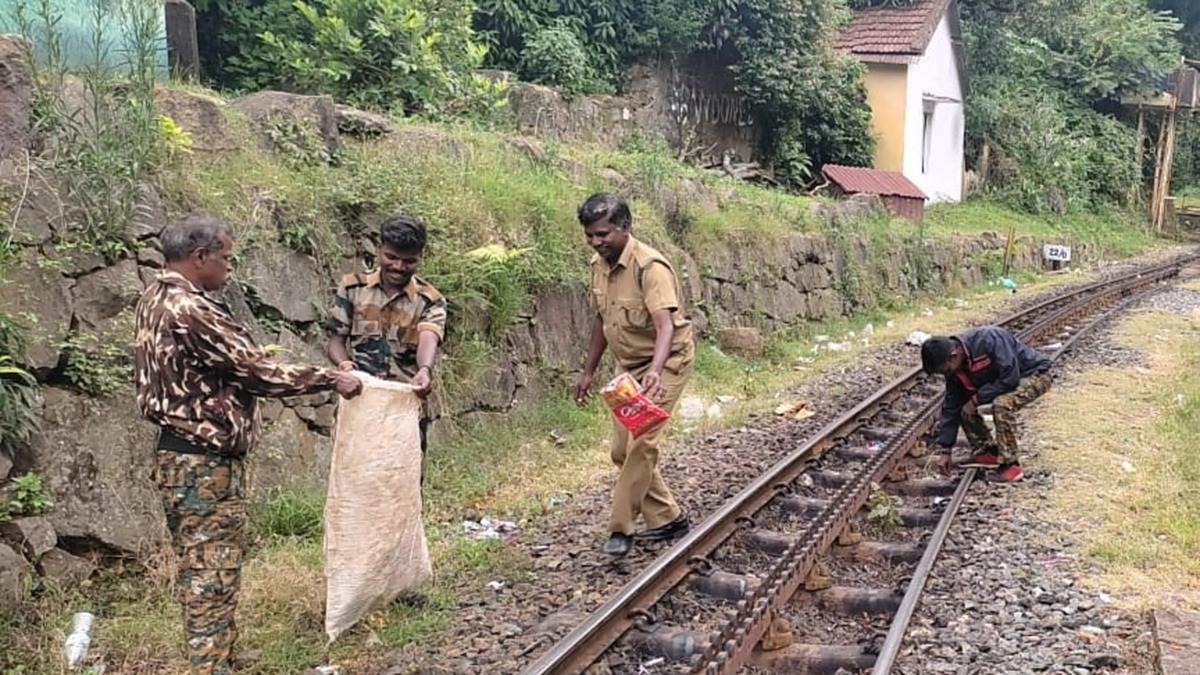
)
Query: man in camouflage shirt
[
  {"x": 389, "y": 322},
  {"x": 198, "y": 373}
]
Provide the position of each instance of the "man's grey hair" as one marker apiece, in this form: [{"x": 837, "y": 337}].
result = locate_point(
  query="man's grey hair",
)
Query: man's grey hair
[{"x": 197, "y": 231}]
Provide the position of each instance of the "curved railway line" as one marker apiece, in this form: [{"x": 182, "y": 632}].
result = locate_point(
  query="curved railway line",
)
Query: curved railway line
[{"x": 724, "y": 598}]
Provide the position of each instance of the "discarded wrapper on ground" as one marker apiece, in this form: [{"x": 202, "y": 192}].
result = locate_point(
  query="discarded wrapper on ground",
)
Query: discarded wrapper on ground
[
  {"x": 375, "y": 546},
  {"x": 633, "y": 409}
]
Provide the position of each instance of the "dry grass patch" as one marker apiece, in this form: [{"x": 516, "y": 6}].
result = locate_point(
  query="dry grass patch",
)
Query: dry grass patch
[{"x": 1122, "y": 445}]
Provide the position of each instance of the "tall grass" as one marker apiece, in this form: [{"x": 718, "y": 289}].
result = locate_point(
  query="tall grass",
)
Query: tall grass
[
  {"x": 284, "y": 513},
  {"x": 103, "y": 132}
]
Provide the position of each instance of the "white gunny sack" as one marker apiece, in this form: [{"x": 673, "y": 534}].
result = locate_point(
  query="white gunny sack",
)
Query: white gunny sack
[{"x": 375, "y": 546}]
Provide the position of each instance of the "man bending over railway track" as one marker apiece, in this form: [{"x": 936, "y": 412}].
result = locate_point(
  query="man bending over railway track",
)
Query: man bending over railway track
[
  {"x": 640, "y": 318},
  {"x": 985, "y": 365}
]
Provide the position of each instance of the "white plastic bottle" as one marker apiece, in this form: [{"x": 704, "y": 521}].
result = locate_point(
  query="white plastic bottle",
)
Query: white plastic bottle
[{"x": 79, "y": 640}]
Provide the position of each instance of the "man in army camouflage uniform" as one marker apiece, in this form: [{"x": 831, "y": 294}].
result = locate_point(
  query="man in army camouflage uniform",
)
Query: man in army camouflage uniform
[
  {"x": 986, "y": 364},
  {"x": 389, "y": 322},
  {"x": 640, "y": 318},
  {"x": 198, "y": 373}
]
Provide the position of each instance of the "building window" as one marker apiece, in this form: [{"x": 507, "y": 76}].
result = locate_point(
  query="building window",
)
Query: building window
[{"x": 927, "y": 140}]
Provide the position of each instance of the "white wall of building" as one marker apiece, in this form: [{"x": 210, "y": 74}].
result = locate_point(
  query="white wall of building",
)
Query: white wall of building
[{"x": 934, "y": 86}]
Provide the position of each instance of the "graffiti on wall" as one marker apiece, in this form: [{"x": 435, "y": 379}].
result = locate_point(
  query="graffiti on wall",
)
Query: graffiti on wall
[{"x": 689, "y": 104}]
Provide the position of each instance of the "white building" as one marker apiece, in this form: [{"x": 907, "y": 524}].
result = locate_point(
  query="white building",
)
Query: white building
[{"x": 916, "y": 82}]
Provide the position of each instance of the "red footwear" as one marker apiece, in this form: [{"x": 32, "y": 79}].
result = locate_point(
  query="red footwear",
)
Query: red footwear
[
  {"x": 1008, "y": 473},
  {"x": 982, "y": 460}
]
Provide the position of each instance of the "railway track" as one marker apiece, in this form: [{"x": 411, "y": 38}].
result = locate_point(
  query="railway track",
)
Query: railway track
[{"x": 724, "y": 598}]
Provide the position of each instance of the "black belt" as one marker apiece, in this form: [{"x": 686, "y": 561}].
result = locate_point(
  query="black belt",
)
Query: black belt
[{"x": 169, "y": 440}]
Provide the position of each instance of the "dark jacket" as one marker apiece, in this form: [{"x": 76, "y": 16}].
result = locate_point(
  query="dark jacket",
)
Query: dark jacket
[{"x": 996, "y": 362}]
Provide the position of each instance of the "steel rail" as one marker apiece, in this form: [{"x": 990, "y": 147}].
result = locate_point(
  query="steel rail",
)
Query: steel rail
[
  {"x": 899, "y": 626},
  {"x": 583, "y": 645},
  {"x": 890, "y": 650},
  {"x": 740, "y": 636}
]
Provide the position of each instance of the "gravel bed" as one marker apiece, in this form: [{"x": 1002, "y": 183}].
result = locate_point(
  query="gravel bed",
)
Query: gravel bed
[
  {"x": 568, "y": 576},
  {"x": 1176, "y": 299},
  {"x": 505, "y": 630},
  {"x": 1004, "y": 596},
  {"x": 811, "y": 625},
  {"x": 846, "y": 572}
]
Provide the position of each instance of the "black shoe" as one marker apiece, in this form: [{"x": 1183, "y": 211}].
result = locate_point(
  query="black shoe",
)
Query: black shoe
[
  {"x": 672, "y": 529},
  {"x": 618, "y": 544}
]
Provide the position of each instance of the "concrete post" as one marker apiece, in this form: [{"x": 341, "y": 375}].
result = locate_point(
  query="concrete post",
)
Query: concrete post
[{"x": 183, "y": 51}]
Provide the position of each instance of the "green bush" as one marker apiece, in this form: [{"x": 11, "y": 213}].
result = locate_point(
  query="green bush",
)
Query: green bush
[
  {"x": 811, "y": 100},
  {"x": 27, "y": 496},
  {"x": 1042, "y": 74},
  {"x": 237, "y": 61},
  {"x": 555, "y": 55},
  {"x": 415, "y": 56},
  {"x": 514, "y": 27}
]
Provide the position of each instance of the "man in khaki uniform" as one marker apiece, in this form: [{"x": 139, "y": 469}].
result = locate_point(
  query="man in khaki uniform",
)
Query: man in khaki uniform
[{"x": 640, "y": 318}]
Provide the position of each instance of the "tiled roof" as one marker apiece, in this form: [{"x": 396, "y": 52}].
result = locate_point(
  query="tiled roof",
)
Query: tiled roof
[
  {"x": 855, "y": 179},
  {"x": 892, "y": 32}
]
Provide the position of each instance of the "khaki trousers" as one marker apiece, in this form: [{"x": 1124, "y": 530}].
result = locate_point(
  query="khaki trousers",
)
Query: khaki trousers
[{"x": 640, "y": 488}]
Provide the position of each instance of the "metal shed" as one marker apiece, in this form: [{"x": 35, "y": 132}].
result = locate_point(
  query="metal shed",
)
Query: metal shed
[{"x": 898, "y": 193}]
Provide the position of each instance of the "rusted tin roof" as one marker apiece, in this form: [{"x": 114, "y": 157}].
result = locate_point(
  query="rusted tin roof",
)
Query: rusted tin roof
[{"x": 855, "y": 179}]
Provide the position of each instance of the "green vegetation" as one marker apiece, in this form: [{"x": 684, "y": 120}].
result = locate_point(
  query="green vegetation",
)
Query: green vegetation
[
  {"x": 1133, "y": 430},
  {"x": 26, "y": 497},
  {"x": 555, "y": 55},
  {"x": 18, "y": 388},
  {"x": 883, "y": 509},
  {"x": 1044, "y": 134},
  {"x": 1189, "y": 13},
  {"x": 284, "y": 513},
  {"x": 107, "y": 136},
  {"x": 412, "y": 56},
  {"x": 809, "y": 98},
  {"x": 1040, "y": 73},
  {"x": 1108, "y": 232},
  {"x": 407, "y": 56},
  {"x": 100, "y": 364}
]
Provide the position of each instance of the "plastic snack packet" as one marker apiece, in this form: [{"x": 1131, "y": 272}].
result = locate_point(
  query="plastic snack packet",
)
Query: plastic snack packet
[{"x": 631, "y": 407}]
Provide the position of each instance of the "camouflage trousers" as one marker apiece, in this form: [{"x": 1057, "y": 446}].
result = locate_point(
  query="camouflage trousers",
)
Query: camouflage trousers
[
  {"x": 206, "y": 516},
  {"x": 1004, "y": 417}
]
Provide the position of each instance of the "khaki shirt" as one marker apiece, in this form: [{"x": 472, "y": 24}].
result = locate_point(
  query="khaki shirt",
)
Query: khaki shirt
[{"x": 625, "y": 294}]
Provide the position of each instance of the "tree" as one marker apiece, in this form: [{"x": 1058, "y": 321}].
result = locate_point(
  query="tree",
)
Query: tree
[
  {"x": 1188, "y": 12},
  {"x": 1045, "y": 77}
]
